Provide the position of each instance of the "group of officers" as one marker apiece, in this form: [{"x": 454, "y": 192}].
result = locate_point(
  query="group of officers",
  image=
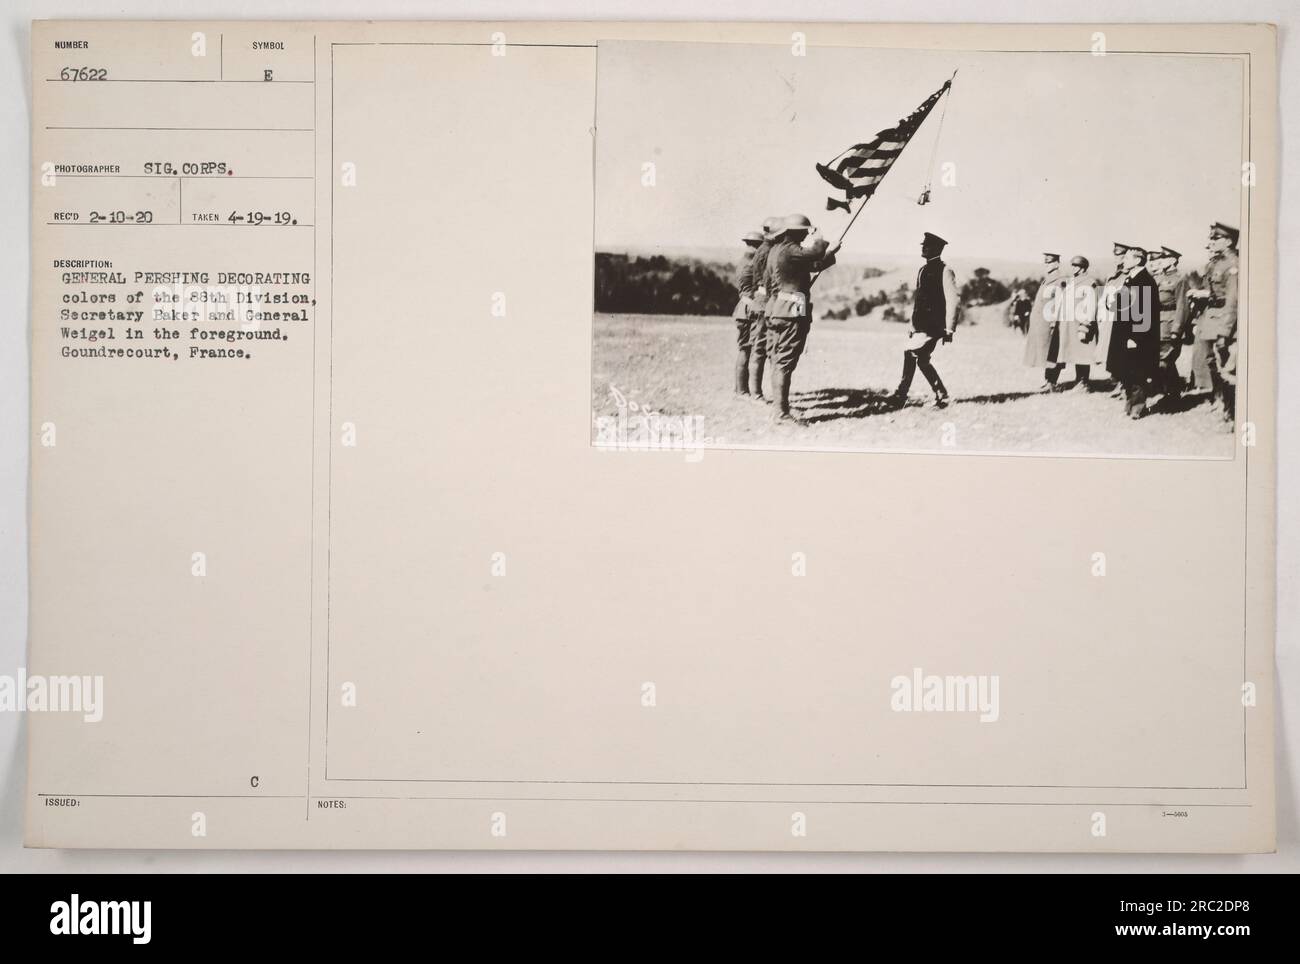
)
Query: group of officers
[
  {"x": 773, "y": 313},
  {"x": 1134, "y": 325}
]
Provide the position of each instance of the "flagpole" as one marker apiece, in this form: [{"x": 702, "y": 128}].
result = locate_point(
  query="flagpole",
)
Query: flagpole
[
  {"x": 851, "y": 220},
  {"x": 840, "y": 240}
]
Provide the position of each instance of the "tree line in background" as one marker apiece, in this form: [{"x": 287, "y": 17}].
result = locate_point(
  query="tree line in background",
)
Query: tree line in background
[{"x": 659, "y": 285}]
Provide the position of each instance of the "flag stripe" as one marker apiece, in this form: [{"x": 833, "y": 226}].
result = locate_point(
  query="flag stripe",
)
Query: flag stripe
[{"x": 865, "y": 165}]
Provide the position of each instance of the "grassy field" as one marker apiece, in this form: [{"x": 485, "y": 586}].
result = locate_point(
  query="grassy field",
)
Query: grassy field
[{"x": 682, "y": 366}]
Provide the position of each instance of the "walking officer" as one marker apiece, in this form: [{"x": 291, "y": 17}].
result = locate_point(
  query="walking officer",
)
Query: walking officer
[{"x": 934, "y": 315}]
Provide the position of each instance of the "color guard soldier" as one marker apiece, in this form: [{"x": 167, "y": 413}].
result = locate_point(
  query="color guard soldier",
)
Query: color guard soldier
[
  {"x": 745, "y": 314},
  {"x": 1172, "y": 284},
  {"x": 758, "y": 349},
  {"x": 1218, "y": 322},
  {"x": 934, "y": 316},
  {"x": 788, "y": 280}
]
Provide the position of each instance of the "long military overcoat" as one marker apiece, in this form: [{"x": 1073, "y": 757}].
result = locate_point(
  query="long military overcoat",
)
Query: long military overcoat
[{"x": 1038, "y": 341}]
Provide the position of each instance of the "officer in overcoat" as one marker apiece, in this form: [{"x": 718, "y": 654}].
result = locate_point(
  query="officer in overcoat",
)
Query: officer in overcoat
[
  {"x": 1041, "y": 338},
  {"x": 1076, "y": 314},
  {"x": 1134, "y": 353}
]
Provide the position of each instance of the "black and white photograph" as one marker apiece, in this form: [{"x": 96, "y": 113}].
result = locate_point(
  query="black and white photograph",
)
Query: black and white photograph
[{"x": 907, "y": 250}]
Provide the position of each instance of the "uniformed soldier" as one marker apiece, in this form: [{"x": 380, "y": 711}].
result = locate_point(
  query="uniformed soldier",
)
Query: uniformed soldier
[
  {"x": 934, "y": 316},
  {"x": 1172, "y": 285},
  {"x": 1198, "y": 376},
  {"x": 1134, "y": 353},
  {"x": 758, "y": 330},
  {"x": 788, "y": 280},
  {"x": 1018, "y": 311},
  {"x": 1106, "y": 315},
  {"x": 1218, "y": 322},
  {"x": 1041, "y": 339},
  {"x": 744, "y": 313},
  {"x": 1076, "y": 313}
]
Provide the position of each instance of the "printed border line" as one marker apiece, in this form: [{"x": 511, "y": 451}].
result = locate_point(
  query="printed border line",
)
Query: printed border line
[
  {"x": 796, "y": 802},
  {"x": 1249, "y": 94},
  {"x": 311, "y": 421}
]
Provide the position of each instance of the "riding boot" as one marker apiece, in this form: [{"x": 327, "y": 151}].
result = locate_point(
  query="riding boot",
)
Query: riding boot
[
  {"x": 756, "y": 365},
  {"x": 899, "y": 398},
  {"x": 1229, "y": 405},
  {"x": 940, "y": 392},
  {"x": 781, "y": 389},
  {"x": 936, "y": 383},
  {"x": 742, "y": 373}
]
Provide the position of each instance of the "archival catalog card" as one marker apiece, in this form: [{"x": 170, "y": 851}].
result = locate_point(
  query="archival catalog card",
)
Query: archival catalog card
[{"x": 652, "y": 436}]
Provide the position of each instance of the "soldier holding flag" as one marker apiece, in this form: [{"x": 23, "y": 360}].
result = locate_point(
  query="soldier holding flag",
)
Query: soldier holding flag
[{"x": 788, "y": 280}]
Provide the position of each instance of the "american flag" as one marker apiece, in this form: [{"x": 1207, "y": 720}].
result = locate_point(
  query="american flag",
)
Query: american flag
[{"x": 859, "y": 169}]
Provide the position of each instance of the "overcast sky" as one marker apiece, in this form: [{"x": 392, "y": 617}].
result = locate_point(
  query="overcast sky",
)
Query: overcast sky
[{"x": 1057, "y": 152}]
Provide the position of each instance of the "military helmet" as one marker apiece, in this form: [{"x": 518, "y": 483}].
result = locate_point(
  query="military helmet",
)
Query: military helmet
[
  {"x": 752, "y": 237},
  {"x": 796, "y": 222},
  {"x": 771, "y": 226}
]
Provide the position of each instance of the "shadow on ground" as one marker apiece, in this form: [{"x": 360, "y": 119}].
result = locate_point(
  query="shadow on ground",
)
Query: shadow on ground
[
  {"x": 833, "y": 404},
  {"x": 996, "y": 399},
  {"x": 829, "y": 404},
  {"x": 1182, "y": 403}
]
